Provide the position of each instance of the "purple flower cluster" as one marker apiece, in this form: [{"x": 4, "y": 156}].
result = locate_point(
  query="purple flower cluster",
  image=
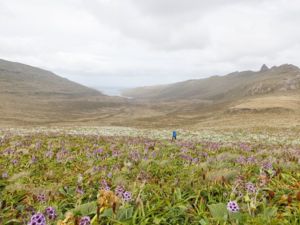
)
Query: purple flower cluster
[
  {"x": 38, "y": 145},
  {"x": 98, "y": 151},
  {"x": 14, "y": 162},
  {"x": 33, "y": 160},
  {"x": 241, "y": 160},
  {"x": 85, "y": 220},
  {"x": 37, "y": 219},
  {"x": 267, "y": 166},
  {"x": 80, "y": 190},
  {"x": 121, "y": 193},
  {"x": 245, "y": 147},
  {"x": 204, "y": 154},
  {"x": 213, "y": 146},
  {"x": 135, "y": 156},
  {"x": 244, "y": 160},
  {"x": 49, "y": 154},
  {"x": 120, "y": 190},
  {"x": 41, "y": 198},
  {"x": 195, "y": 160},
  {"x": 184, "y": 150},
  {"x": 188, "y": 145},
  {"x": 127, "y": 196},
  {"x": 250, "y": 187},
  {"x": 153, "y": 155},
  {"x": 251, "y": 160},
  {"x": 109, "y": 175},
  {"x": 99, "y": 168},
  {"x": 61, "y": 155},
  {"x": 50, "y": 213},
  {"x": 233, "y": 207},
  {"x": 104, "y": 185},
  {"x": 186, "y": 157},
  {"x": 4, "y": 175},
  {"x": 115, "y": 153},
  {"x": 267, "y": 169}
]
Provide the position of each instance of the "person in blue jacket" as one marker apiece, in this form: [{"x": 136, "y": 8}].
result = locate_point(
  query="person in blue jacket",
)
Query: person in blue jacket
[{"x": 174, "y": 135}]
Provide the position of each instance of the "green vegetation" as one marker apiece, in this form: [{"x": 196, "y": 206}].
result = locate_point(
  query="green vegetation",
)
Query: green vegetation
[{"x": 128, "y": 176}]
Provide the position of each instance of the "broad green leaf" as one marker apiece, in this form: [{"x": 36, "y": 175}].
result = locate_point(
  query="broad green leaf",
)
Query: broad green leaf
[
  {"x": 202, "y": 222},
  {"x": 86, "y": 209},
  {"x": 107, "y": 213},
  {"x": 238, "y": 217},
  {"x": 219, "y": 211},
  {"x": 125, "y": 213},
  {"x": 270, "y": 212}
]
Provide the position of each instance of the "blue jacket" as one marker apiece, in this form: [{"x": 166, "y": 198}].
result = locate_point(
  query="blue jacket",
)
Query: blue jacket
[{"x": 174, "y": 133}]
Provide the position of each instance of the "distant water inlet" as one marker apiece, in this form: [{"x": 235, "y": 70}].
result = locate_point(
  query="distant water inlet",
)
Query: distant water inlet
[{"x": 111, "y": 91}]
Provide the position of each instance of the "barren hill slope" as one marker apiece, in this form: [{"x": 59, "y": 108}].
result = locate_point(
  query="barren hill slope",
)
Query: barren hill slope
[
  {"x": 17, "y": 78},
  {"x": 225, "y": 88},
  {"x": 33, "y": 95}
]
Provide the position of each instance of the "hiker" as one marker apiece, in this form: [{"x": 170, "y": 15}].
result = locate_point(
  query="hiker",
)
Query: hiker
[{"x": 174, "y": 135}]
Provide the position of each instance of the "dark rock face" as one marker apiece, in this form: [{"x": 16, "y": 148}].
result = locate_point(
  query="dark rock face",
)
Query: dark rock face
[{"x": 264, "y": 68}]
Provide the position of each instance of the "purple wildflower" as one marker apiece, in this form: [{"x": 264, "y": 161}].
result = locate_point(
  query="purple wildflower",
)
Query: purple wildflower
[
  {"x": 15, "y": 161},
  {"x": 251, "y": 160},
  {"x": 135, "y": 156},
  {"x": 119, "y": 190},
  {"x": 33, "y": 160},
  {"x": 97, "y": 168},
  {"x": 115, "y": 153},
  {"x": 49, "y": 154},
  {"x": 8, "y": 151},
  {"x": 127, "y": 196},
  {"x": 250, "y": 187},
  {"x": 50, "y": 213},
  {"x": 80, "y": 190},
  {"x": 98, "y": 151},
  {"x": 4, "y": 175},
  {"x": 37, "y": 219},
  {"x": 267, "y": 166},
  {"x": 213, "y": 146},
  {"x": 204, "y": 154},
  {"x": 41, "y": 198},
  {"x": 241, "y": 160},
  {"x": 104, "y": 185},
  {"x": 195, "y": 160},
  {"x": 38, "y": 145},
  {"x": 184, "y": 150},
  {"x": 154, "y": 154},
  {"x": 233, "y": 207},
  {"x": 186, "y": 157},
  {"x": 85, "y": 220},
  {"x": 245, "y": 147}
]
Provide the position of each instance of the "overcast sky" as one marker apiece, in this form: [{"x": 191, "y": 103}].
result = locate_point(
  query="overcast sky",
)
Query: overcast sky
[{"x": 145, "y": 42}]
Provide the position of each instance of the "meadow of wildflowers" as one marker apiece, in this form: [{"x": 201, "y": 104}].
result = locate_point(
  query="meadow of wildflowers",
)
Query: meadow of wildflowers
[{"x": 130, "y": 176}]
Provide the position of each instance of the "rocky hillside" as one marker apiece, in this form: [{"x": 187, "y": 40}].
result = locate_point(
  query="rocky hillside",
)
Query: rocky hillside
[{"x": 284, "y": 78}]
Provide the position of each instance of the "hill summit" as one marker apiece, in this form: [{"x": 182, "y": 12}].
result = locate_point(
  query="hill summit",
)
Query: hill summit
[{"x": 264, "y": 68}]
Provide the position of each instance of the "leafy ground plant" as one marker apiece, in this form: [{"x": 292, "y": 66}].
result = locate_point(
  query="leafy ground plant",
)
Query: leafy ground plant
[{"x": 68, "y": 177}]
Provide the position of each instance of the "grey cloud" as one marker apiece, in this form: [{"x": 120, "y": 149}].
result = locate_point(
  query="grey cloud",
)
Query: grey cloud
[{"x": 140, "y": 42}]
